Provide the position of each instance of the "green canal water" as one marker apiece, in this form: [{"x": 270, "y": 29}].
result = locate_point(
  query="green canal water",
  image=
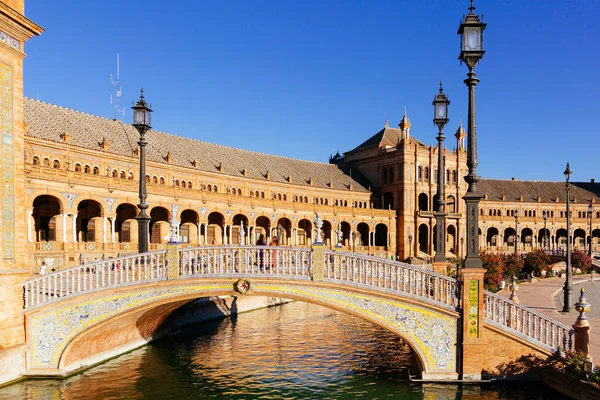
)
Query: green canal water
[{"x": 294, "y": 351}]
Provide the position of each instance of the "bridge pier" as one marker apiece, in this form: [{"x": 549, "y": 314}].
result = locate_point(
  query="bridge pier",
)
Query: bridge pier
[{"x": 471, "y": 349}]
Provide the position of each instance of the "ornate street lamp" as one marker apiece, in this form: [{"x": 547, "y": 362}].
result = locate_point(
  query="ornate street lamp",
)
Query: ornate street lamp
[
  {"x": 568, "y": 287},
  {"x": 516, "y": 231},
  {"x": 545, "y": 217},
  {"x": 141, "y": 122},
  {"x": 471, "y": 31},
  {"x": 590, "y": 214},
  {"x": 440, "y": 118}
]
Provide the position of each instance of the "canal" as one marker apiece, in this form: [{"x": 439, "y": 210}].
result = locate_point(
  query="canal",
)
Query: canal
[{"x": 293, "y": 351}]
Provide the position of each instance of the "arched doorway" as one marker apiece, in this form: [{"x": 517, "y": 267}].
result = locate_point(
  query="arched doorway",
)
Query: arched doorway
[
  {"x": 188, "y": 226},
  {"x": 263, "y": 227},
  {"x": 491, "y": 239},
  {"x": 284, "y": 228},
  {"x": 89, "y": 221},
  {"x": 526, "y": 239},
  {"x": 126, "y": 224},
  {"x": 304, "y": 232},
  {"x": 579, "y": 239},
  {"x": 45, "y": 210},
  {"x": 451, "y": 240},
  {"x": 362, "y": 237},
  {"x": 346, "y": 229},
  {"x": 424, "y": 239},
  {"x": 216, "y": 224},
  {"x": 159, "y": 225},
  {"x": 326, "y": 233},
  {"x": 423, "y": 202},
  {"x": 509, "y": 238},
  {"x": 236, "y": 233},
  {"x": 561, "y": 238},
  {"x": 381, "y": 236}
]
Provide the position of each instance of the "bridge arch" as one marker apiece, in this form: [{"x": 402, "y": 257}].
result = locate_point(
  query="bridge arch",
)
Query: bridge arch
[{"x": 119, "y": 319}]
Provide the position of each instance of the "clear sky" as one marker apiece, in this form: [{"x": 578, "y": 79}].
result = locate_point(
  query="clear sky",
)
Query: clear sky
[{"x": 305, "y": 79}]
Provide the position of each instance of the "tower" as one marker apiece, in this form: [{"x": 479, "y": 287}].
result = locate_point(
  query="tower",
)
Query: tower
[
  {"x": 404, "y": 126},
  {"x": 15, "y": 30}
]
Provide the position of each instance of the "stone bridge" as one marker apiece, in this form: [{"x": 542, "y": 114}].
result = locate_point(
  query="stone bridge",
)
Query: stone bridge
[{"x": 83, "y": 315}]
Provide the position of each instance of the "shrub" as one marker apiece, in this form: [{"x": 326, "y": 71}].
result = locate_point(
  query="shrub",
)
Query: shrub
[
  {"x": 454, "y": 264},
  {"x": 513, "y": 265},
  {"x": 580, "y": 259},
  {"x": 494, "y": 265},
  {"x": 536, "y": 262}
]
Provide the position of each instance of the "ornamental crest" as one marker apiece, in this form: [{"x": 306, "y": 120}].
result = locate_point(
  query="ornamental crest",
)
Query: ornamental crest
[{"x": 70, "y": 198}]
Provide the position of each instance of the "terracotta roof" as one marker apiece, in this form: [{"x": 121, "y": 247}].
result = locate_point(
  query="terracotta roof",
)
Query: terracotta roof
[
  {"x": 47, "y": 121},
  {"x": 548, "y": 192},
  {"x": 385, "y": 137}
]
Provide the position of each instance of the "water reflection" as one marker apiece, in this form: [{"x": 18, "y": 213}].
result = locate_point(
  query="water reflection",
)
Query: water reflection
[{"x": 294, "y": 351}]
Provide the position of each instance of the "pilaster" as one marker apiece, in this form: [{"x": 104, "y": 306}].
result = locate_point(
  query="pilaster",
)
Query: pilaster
[
  {"x": 472, "y": 317},
  {"x": 318, "y": 261}
]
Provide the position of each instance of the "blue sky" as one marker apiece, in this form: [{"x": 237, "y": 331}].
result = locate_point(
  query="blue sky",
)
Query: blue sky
[{"x": 305, "y": 79}]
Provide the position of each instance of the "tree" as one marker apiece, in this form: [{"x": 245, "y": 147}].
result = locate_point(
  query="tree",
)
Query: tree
[
  {"x": 513, "y": 265},
  {"x": 580, "y": 259},
  {"x": 536, "y": 262},
  {"x": 494, "y": 266}
]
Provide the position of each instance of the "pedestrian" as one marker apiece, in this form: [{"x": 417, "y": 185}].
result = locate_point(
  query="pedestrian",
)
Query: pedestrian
[
  {"x": 43, "y": 268},
  {"x": 274, "y": 242},
  {"x": 261, "y": 255}
]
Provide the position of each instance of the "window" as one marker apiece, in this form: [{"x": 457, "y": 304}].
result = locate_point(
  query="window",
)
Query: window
[
  {"x": 123, "y": 175},
  {"x": 56, "y": 164},
  {"x": 87, "y": 169},
  {"x": 96, "y": 171},
  {"x": 36, "y": 160}
]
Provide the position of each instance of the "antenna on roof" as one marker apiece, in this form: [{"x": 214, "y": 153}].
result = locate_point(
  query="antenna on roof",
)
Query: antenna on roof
[{"x": 118, "y": 90}]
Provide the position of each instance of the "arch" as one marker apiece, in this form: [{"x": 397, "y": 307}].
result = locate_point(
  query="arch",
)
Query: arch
[
  {"x": 451, "y": 239},
  {"x": 326, "y": 233},
  {"x": 188, "y": 226},
  {"x": 56, "y": 164},
  {"x": 45, "y": 210},
  {"x": 46, "y": 162},
  {"x": 454, "y": 177},
  {"x": 526, "y": 237},
  {"x": 420, "y": 173},
  {"x": 96, "y": 171},
  {"x": 423, "y": 202},
  {"x": 544, "y": 238},
  {"x": 381, "y": 235},
  {"x": 87, "y": 169},
  {"x": 125, "y": 223},
  {"x": 123, "y": 175},
  {"x": 579, "y": 236},
  {"x": 346, "y": 231},
  {"x": 424, "y": 238},
  {"x": 509, "y": 237},
  {"x": 77, "y": 167},
  {"x": 263, "y": 226},
  {"x": 450, "y": 204},
  {"x": 236, "y": 225},
  {"x": 127, "y": 322},
  {"x": 155, "y": 179},
  {"x": 216, "y": 226},
  {"x": 362, "y": 238},
  {"x": 36, "y": 161},
  {"x": 286, "y": 231},
  {"x": 304, "y": 232},
  {"x": 130, "y": 176},
  {"x": 561, "y": 237},
  {"x": 159, "y": 224},
  {"x": 426, "y": 174},
  {"x": 89, "y": 220},
  {"x": 492, "y": 235}
]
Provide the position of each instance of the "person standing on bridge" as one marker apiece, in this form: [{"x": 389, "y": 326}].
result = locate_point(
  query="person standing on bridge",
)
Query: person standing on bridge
[
  {"x": 261, "y": 255},
  {"x": 43, "y": 268},
  {"x": 274, "y": 242}
]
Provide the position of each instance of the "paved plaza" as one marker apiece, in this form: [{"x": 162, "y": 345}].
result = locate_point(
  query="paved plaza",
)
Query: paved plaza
[{"x": 546, "y": 296}]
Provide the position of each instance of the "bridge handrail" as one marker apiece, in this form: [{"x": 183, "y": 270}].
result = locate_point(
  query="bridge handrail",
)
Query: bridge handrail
[
  {"x": 526, "y": 323},
  {"x": 263, "y": 261},
  {"x": 392, "y": 276},
  {"x": 94, "y": 276}
]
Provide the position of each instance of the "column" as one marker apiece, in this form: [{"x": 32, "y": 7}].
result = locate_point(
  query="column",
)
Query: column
[
  {"x": 224, "y": 233},
  {"x": 230, "y": 234},
  {"x": 29, "y": 226},
  {"x": 205, "y": 240},
  {"x": 64, "y": 227},
  {"x": 112, "y": 230},
  {"x": 74, "y": 227},
  {"x": 104, "y": 221}
]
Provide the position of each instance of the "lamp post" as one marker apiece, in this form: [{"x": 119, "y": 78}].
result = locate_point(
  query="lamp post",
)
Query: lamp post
[
  {"x": 141, "y": 122},
  {"x": 568, "y": 287},
  {"x": 471, "y": 31},
  {"x": 545, "y": 217},
  {"x": 516, "y": 231},
  {"x": 590, "y": 214},
  {"x": 410, "y": 249},
  {"x": 440, "y": 118}
]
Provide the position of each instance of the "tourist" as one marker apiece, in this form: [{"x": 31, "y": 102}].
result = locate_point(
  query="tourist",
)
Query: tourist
[
  {"x": 274, "y": 242},
  {"x": 261, "y": 242},
  {"x": 43, "y": 268}
]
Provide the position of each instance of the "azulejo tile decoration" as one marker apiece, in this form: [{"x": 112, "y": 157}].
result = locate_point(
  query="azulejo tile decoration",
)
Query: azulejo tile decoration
[
  {"x": 8, "y": 158},
  {"x": 433, "y": 335}
]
